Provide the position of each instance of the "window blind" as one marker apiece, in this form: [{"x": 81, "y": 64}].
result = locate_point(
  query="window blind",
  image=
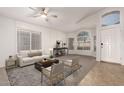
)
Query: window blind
[
  {"x": 28, "y": 40},
  {"x": 35, "y": 41},
  {"x": 23, "y": 40}
]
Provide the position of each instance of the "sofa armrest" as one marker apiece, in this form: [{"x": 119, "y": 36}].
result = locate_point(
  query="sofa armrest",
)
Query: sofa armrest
[
  {"x": 20, "y": 60},
  {"x": 45, "y": 56}
]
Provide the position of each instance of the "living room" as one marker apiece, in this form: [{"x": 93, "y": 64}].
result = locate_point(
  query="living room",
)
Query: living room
[{"x": 26, "y": 29}]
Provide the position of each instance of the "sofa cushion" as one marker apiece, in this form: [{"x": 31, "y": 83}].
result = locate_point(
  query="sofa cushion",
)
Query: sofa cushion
[
  {"x": 68, "y": 62},
  {"x": 35, "y": 53},
  {"x": 24, "y": 53},
  {"x": 37, "y": 58},
  {"x": 46, "y": 71},
  {"x": 45, "y": 56},
  {"x": 27, "y": 59}
]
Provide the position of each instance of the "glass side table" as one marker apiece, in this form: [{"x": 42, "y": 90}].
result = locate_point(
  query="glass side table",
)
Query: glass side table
[{"x": 11, "y": 62}]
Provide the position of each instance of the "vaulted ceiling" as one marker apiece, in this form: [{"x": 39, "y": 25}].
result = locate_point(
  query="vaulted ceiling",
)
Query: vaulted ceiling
[{"x": 69, "y": 18}]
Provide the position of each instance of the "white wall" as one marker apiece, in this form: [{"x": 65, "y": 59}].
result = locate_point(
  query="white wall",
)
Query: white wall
[
  {"x": 122, "y": 36},
  {"x": 8, "y": 37}
]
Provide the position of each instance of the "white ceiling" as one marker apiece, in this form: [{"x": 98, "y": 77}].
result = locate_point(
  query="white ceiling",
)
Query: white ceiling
[{"x": 67, "y": 21}]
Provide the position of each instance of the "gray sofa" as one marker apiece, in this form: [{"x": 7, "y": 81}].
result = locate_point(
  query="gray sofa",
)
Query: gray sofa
[{"x": 30, "y": 57}]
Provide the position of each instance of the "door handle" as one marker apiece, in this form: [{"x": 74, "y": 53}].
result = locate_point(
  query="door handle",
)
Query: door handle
[{"x": 101, "y": 45}]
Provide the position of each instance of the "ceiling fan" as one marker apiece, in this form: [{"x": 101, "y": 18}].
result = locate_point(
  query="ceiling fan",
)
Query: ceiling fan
[{"x": 42, "y": 12}]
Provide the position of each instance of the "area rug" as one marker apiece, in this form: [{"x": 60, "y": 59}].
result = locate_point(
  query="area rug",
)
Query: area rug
[{"x": 29, "y": 76}]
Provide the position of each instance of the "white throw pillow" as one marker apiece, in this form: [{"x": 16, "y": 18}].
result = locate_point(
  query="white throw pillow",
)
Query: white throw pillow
[{"x": 23, "y": 53}]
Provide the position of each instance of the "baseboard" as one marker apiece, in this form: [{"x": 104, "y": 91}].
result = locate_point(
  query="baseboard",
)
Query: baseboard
[
  {"x": 98, "y": 61},
  {"x": 2, "y": 66},
  {"x": 122, "y": 64},
  {"x": 111, "y": 63}
]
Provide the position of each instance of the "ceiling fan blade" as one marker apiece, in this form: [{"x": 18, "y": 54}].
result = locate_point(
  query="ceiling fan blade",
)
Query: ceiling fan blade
[
  {"x": 37, "y": 9},
  {"x": 46, "y": 19},
  {"x": 33, "y": 8},
  {"x": 36, "y": 15},
  {"x": 55, "y": 16}
]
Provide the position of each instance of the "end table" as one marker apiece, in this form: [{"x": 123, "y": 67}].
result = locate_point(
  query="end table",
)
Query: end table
[{"x": 11, "y": 62}]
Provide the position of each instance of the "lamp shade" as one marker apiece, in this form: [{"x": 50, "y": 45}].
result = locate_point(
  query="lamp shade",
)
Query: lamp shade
[{"x": 51, "y": 49}]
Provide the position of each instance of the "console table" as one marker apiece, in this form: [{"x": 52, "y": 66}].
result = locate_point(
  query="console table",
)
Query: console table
[{"x": 60, "y": 51}]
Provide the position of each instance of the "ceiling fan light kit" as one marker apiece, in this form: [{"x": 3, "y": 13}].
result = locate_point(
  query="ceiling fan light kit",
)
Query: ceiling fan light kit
[{"x": 43, "y": 15}]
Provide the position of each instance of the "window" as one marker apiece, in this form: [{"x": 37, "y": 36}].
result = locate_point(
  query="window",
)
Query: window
[
  {"x": 70, "y": 43},
  {"x": 111, "y": 18},
  {"x": 28, "y": 40},
  {"x": 36, "y": 41},
  {"x": 23, "y": 40},
  {"x": 83, "y": 41}
]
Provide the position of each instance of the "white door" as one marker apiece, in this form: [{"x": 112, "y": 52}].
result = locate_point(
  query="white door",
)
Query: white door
[{"x": 110, "y": 45}]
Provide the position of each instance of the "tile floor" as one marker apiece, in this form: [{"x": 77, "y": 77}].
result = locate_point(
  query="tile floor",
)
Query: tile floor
[
  {"x": 3, "y": 78},
  {"x": 105, "y": 74}
]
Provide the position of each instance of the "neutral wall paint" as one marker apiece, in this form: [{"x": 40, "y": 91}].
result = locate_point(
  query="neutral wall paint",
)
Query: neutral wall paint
[
  {"x": 8, "y": 37},
  {"x": 122, "y": 36}
]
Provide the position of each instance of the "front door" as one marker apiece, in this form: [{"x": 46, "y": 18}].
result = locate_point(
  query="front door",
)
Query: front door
[{"x": 110, "y": 45}]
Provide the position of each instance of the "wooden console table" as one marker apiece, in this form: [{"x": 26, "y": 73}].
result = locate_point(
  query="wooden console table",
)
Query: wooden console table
[{"x": 60, "y": 51}]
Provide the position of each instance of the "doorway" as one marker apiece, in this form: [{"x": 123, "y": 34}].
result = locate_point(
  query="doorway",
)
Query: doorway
[{"x": 110, "y": 45}]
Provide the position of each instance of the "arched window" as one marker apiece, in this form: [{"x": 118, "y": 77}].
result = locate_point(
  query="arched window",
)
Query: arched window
[
  {"x": 111, "y": 18},
  {"x": 83, "y": 41}
]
